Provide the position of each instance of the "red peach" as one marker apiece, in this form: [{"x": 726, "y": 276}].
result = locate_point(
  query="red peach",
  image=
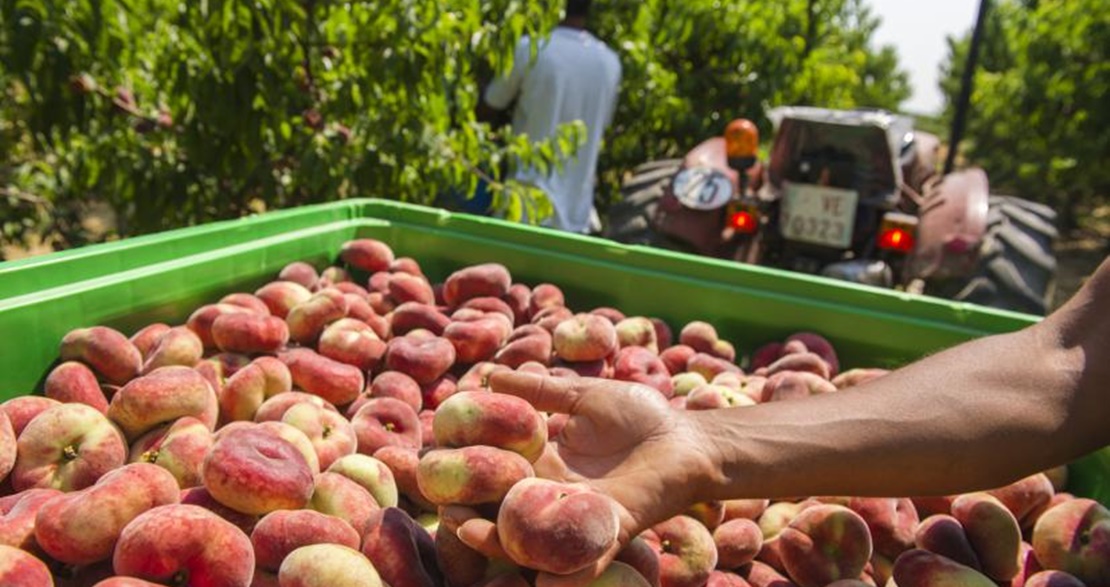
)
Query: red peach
[
  {"x": 21, "y": 569},
  {"x": 993, "y": 532},
  {"x": 527, "y": 343},
  {"x": 611, "y": 314},
  {"x": 517, "y": 299},
  {"x": 1053, "y": 579},
  {"x": 332, "y": 436},
  {"x": 67, "y": 447},
  {"x": 749, "y": 509},
  {"x": 892, "y": 523},
  {"x": 249, "y": 333},
  {"x": 709, "y": 366},
  {"x": 370, "y": 473},
  {"x": 403, "y": 461},
  {"x": 248, "y": 301},
  {"x": 550, "y": 318},
  {"x": 282, "y": 296},
  {"x": 200, "y": 497},
  {"x": 824, "y": 543},
  {"x": 367, "y": 254},
  {"x": 819, "y": 345},
  {"x": 491, "y": 419},
  {"x": 386, "y": 421},
  {"x": 944, "y": 535},
  {"x": 396, "y": 385},
  {"x": 185, "y": 541},
  {"x": 402, "y": 552},
  {"x": 280, "y": 532},
  {"x": 687, "y": 553},
  {"x": 477, "y": 376},
  {"x": 585, "y": 337},
  {"x": 434, "y": 393},
  {"x": 308, "y": 319},
  {"x": 1074, "y": 536},
  {"x": 543, "y": 296},
  {"x": 556, "y": 527},
  {"x": 423, "y": 359},
  {"x": 177, "y": 346},
  {"x": 328, "y": 565},
  {"x": 738, "y": 541},
  {"x": 179, "y": 448},
  {"x": 808, "y": 362},
  {"x": 1025, "y": 496},
  {"x": 353, "y": 342},
  {"x": 639, "y": 365},
  {"x": 284, "y": 431},
  {"x": 110, "y": 354},
  {"x": 17, "y": 517},
  {"x": 676, "y": 357},
  {"x": 921, "y": 568},
  {"x": 405, "y": 265},
  {"x": 413, "y": 316},
  {"x": 476, "y": 340},
  {"x": 22, "y": 409},
  {"x": 470, "y": 475},
  {"x": 640, "y": 555},
  {"x": 338, "y": 383},
  {"x": 201, "y": 320},
  {"x": 256, "y": 472},
  {"x": 161, "y": 396},
  {"x": 145, "y": 337},
  {"x": 404, "y": 287},
  {"x": 72, "y": 382},
  {"x": 475, "y": 281},
  {"x": 82, "y": 527},
  {"x": 275, "y": 407},
  {"x": 618, "y": 574},
  {"x": 339, "y": 496},
  {"x": 299, "y": 272},
  {"x": 637, "y": 331}
]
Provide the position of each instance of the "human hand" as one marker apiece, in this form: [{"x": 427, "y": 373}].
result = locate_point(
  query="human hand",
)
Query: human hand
[{"x": 621, "y": 439}]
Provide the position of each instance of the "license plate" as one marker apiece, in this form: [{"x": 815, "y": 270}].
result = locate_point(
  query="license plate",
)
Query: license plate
[{"x": 819, "y": 215}]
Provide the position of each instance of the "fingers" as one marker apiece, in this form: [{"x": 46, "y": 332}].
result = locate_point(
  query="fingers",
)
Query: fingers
[
  {"x": 481, "y": 535},
  {"x": 547, "y": 394}
]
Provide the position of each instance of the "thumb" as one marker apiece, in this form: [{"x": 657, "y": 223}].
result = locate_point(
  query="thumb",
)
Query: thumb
[{"x": 547, "y": 394}]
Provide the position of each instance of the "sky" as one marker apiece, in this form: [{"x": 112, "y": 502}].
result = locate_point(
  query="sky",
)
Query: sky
[{"x": 917, "y": 28}]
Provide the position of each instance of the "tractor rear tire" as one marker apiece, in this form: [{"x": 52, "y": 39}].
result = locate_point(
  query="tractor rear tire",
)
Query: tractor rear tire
[
  {"x": 630, "y": 219},
  {"x": 1017, "y": 266}
]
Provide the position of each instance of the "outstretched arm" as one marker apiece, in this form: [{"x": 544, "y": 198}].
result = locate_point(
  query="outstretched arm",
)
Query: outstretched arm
[{"x": 975, "y": 416}]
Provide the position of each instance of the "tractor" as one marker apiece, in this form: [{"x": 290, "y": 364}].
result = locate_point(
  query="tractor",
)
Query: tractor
[{"x": 854, "y": 195}]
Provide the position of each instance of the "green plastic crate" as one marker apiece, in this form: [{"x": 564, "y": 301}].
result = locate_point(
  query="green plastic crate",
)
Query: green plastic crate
[{"x": 163, "y": 277}]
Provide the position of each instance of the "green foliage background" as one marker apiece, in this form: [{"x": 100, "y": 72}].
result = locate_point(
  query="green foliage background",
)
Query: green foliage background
[
  {"x": 178, "y": 112},
  {"x": 1041, "y": 102}
]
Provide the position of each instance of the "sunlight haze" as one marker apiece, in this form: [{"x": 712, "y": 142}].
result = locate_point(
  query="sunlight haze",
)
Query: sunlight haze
[{"x": 918, "y": 29}]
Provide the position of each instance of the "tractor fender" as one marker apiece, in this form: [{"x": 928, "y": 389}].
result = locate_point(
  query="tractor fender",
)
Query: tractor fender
[
  {"x": 712, "y": 153},
  {"x": 951, "y": 225}
]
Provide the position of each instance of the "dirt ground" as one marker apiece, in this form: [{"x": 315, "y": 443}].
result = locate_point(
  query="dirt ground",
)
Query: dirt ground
[
  {"x": 1077, "y": 254},
  {"x": 1080, "y": 253}
]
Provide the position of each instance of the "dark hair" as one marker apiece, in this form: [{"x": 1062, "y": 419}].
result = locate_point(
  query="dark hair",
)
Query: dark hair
[{"x": 578, "y": 8}]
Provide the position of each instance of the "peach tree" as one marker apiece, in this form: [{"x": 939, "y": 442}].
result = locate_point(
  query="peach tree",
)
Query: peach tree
[{"x": 175, "y": 113}]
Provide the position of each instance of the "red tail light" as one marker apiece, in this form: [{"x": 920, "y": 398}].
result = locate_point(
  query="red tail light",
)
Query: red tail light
[
  {"x": 896, "y": 239},
  {"x": 743, "y": 222}
]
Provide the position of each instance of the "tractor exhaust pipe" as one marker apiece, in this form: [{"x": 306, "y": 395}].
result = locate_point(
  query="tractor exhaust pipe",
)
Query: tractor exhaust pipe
[{"x": 959, "y": 120}]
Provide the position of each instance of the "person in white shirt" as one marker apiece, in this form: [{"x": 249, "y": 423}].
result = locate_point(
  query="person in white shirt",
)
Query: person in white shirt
[{"x": 574, "y": 76}]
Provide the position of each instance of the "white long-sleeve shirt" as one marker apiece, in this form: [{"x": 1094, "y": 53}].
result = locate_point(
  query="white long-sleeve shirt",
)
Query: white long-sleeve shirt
[{"x": 574, "y": 76}]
